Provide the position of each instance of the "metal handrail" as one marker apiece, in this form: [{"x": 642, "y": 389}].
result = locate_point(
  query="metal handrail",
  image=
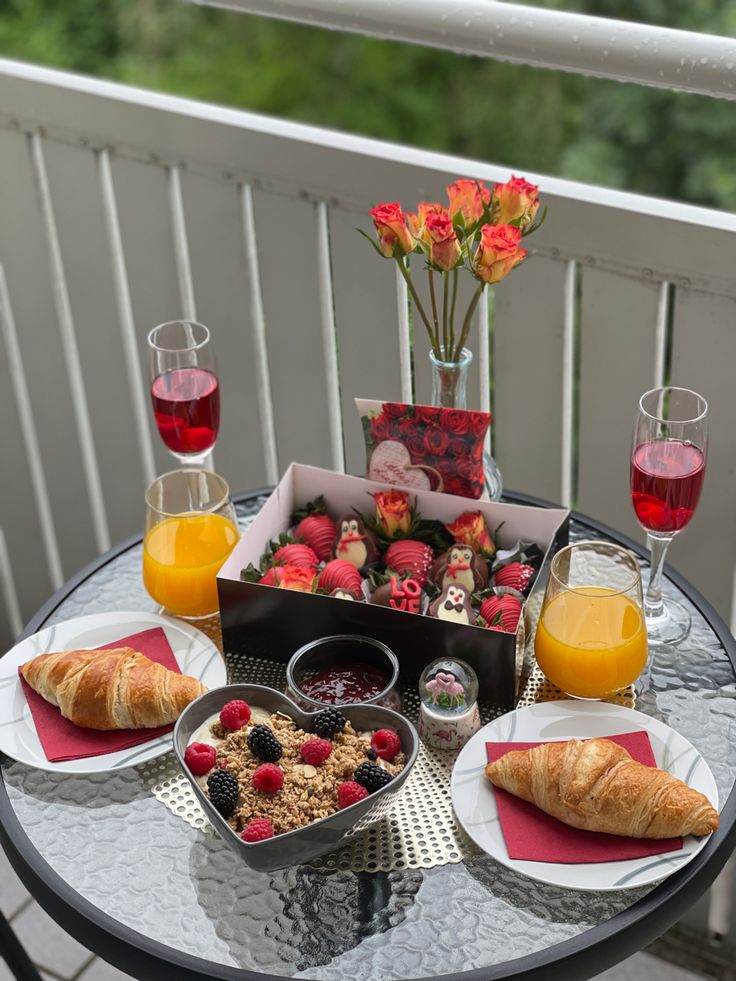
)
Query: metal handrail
[{"x": 683, "y": 61}]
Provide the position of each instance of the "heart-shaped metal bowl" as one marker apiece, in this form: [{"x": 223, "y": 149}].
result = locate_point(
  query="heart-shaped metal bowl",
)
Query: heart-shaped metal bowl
[{"x": 325, "y": 834}]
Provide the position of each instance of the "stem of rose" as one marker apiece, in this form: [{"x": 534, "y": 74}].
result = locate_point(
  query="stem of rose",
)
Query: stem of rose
[
  {"x": 433, "y": 298},
  {"x": 449, "y": 353},
  {"x": 445, "y": 325},
  {"x": 465, "y": 330},
  {"x": 418, "y": 304}
]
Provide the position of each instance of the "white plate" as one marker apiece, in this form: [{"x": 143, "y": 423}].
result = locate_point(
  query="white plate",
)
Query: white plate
[
  {"x": 475, "y": 805},
  {"x": 195, "y": 654}
]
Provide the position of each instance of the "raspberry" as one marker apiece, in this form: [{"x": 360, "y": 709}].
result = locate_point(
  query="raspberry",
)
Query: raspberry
[
  {"x": 315, "y": 751},
  {"x": 372, "y": 776},
  {"x": 257, "y": 830},
  {"x": 235, "y": 715},
  {"x": 200, "y": 758},
  {"x": 349, "y": 793},
  {"x": 386, "y": 744},
  {"x": 268, "y": 778}
]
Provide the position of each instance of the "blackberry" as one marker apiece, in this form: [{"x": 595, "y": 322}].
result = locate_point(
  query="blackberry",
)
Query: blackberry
[
  {"x": 372, "y": 754},
  {"x": 372, "y": 777},
  {"x": 223, "y": 790},
  {"x": 328, "y": 722},
  {"x": 263, "y": 744}
]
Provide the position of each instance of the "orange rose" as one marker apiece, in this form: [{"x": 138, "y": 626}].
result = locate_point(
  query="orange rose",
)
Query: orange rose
[
  {"x": 297, "y": 578},
  {"x": 468, "y": 197},
  {"x": 390, "y": 224},
  {"x": 393, "y": 511},
  {"x": 417, "y": 222},
  {"x": 518, "y": 202},
  {"x": 439, "y": 241},
  {"x": 470, "y": 529},
  {"x": 498, "y": 252}
]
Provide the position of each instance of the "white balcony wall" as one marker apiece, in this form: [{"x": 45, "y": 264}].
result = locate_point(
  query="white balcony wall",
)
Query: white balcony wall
[{"x": 122, "y": 208}]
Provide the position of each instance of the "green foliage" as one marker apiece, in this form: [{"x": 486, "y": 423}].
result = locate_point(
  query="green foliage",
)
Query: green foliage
[{"x": 532, "y": 120}]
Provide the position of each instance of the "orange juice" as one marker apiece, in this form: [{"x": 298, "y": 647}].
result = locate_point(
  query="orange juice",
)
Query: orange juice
[
  {"x": 181, "y": 558},
  {"x": 591, "y": 641}
]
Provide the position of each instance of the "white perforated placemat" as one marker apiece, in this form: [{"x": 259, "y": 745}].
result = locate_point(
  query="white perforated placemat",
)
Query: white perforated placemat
[{"x": 419, "y": 831}]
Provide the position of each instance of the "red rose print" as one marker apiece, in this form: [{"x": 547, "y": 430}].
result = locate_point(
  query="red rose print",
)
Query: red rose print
[
  {"x": 415, "y": 445},
  {"x": 455, "y": 421},
  {"x": 468, "y": 468},
  {"x": 406, "y": 427},
  {"x": 454, "y": 485},
  {"x": 479, "y": 423},
  {"x": 436, "y": 441},
  {"x": 428, "y": 413},
  {"x": 457, "y": 446},
  {"x": 380, "y": 428},
  {"x": 394, "y": 410}
]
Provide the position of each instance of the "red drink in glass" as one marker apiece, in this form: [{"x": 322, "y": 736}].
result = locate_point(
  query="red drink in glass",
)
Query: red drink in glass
[
  {"x": 666, "y": 480},
  {"x": 186, "y": 407}
]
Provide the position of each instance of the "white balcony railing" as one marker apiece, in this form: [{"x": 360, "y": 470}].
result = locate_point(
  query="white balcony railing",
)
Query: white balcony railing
[{"x": 123, "y": 208}]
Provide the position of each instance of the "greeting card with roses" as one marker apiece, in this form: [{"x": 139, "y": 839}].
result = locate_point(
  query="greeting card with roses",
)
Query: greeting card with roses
[{"x": 426, "y": 447}]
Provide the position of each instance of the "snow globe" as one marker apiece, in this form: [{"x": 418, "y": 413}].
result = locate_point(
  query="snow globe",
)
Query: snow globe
[{"x": 448, "y": 712}]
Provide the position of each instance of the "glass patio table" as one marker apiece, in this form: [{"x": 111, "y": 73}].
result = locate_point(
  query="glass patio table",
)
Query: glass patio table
[{"x": 159, "y": 899}]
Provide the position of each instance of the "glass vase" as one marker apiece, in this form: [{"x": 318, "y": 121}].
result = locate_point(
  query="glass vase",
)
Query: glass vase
[{"x": 450, "y": 390}]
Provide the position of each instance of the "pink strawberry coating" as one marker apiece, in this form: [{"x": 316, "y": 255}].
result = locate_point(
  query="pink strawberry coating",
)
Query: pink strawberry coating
[
  {"x": 318, "y": 531},
  {"x": 300, "y": 555},
  {"x": 340, "y": 574},
  {"x": 410, "y": 556},
  {"x": 509, "y": 608},
  {"x": 272, "y": 577},
  {"x": 515, "y": 575}
]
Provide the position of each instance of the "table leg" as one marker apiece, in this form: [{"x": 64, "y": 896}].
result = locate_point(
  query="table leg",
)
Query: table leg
[{"x": 14, "y": 954}]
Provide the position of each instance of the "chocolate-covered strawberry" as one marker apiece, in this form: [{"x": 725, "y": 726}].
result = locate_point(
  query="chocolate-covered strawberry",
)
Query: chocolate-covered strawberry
[
  {"x": 318, "y": 532},
  {"x": 514, "y": 578},
  {"x": 354, "y": 542},
  {"x": 501, "y": 612},
  {"x": 462, "y": 566},
  {"x": 346, "y": 594},
  {"x": 296, "y": 554},
  {"x": 416, "y": 558},
  {"x": 399, "y": 594},
  {"x": 340, "y": 574},
  {"x": 272, "y": 576}
]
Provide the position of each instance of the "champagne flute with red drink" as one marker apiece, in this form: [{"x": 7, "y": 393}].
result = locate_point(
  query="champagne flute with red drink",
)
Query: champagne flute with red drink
[
  {"x": 184, "y": 389},
  {"x": 667, "y": 470}
]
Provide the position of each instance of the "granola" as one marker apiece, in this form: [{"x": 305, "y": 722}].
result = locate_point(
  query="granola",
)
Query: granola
[{"x": 308, "y": 792}]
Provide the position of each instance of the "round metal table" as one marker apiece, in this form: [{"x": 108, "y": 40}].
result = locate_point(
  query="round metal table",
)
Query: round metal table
[{"x": 160, "y": 900}]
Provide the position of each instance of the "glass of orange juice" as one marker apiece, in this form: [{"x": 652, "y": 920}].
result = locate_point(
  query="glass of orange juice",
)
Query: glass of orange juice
[
  {"x": 190, "y": 531},
  {"x": 591, "y": 638}
]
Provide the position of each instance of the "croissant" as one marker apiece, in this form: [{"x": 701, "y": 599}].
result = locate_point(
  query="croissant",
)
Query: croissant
[
  {"x": 111, "y": 689},
  {"x": 596, "y": 785}
]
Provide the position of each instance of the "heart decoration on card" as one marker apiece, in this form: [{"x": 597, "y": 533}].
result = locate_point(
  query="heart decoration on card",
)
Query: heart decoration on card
[{"x": 390, "y": 463}]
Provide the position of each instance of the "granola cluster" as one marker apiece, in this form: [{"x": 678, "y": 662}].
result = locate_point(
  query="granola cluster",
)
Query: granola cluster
[{"x": 308, "y": 792}]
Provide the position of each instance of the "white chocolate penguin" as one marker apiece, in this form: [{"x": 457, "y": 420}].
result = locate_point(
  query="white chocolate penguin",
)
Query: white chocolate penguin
[
  {"x": 454, "y": 605},
  {"x": 462, "y": 566},
  {"x": 353, "y": 542}
]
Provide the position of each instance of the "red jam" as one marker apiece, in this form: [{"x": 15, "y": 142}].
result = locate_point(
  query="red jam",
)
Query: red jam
[{"x": 345, "y": 683}]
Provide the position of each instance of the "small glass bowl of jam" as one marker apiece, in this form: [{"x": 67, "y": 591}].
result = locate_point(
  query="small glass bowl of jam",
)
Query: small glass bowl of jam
[{"x": 343, "y": 670}]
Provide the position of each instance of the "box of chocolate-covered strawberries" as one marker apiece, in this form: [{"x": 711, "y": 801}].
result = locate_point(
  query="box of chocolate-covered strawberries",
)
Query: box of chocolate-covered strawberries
[{"x": 428, "y": 574}]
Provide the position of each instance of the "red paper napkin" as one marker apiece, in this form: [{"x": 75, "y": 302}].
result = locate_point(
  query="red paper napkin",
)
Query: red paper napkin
[
  {"x": 533, "y": 836},
  {"x": 62, "y": 740}
]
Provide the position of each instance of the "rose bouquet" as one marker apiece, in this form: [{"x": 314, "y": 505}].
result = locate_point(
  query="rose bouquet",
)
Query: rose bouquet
[{"x": 480, "y": 230}]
